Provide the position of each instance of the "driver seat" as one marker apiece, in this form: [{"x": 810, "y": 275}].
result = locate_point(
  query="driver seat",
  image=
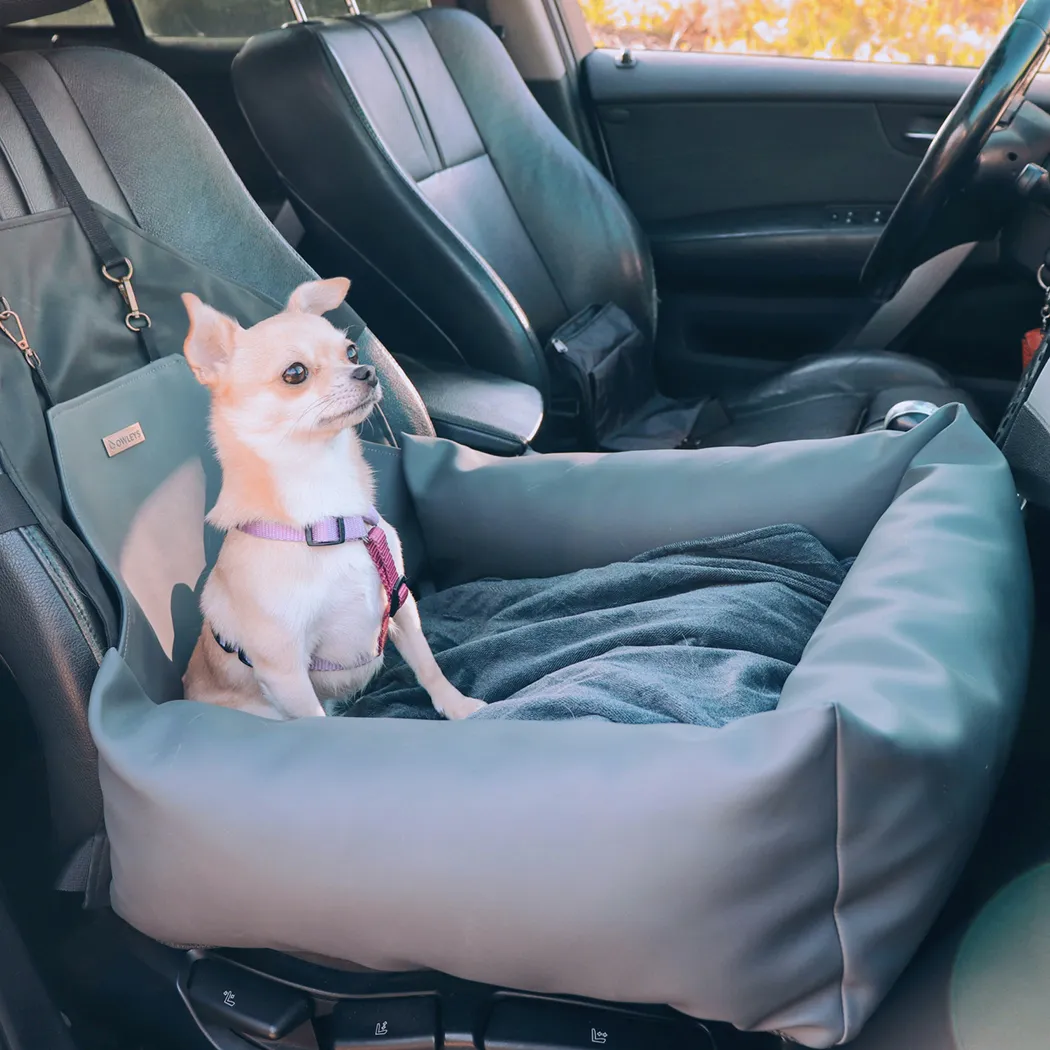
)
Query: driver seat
[{"x": 421, "y": 166}]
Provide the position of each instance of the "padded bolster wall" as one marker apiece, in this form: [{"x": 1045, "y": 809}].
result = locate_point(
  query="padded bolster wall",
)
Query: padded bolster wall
[{"x": 776, "y": 873}]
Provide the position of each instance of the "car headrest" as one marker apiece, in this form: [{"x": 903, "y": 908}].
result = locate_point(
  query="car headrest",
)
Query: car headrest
[{"x": 18, "y": 10}]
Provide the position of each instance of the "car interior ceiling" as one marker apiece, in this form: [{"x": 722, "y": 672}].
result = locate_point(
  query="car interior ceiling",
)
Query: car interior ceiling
[{"x": 725, "y": 323}]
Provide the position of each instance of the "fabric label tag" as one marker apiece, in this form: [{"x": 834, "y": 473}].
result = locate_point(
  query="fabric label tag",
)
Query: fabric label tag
[{"x": 124, "y": 439}]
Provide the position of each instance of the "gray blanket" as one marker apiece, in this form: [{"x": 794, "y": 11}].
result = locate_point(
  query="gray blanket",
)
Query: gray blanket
[{"x": 702, "y": 632}]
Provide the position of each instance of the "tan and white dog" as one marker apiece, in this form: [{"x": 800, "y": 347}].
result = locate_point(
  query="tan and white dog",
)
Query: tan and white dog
[{"x": 309, "y": 577}]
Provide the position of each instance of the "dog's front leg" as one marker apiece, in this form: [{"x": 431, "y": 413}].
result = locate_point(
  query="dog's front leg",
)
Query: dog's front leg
[
  {"x": 406, "y": 632},
  {"x": 290, "y": 691}
]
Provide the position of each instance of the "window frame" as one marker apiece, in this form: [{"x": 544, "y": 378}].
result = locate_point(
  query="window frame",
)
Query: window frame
[
  {"x": 127, "y": 24},
  {"x": 577, "y": 18}
]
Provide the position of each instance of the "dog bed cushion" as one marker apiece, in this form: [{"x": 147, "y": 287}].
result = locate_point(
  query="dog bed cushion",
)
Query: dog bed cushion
[
  {"x": 700, "y": 632},
  {"x": 776, "y": 872}
]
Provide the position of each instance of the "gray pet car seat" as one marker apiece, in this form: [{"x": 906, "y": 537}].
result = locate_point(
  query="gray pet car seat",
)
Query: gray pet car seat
[{"x": 776, "y": 873}]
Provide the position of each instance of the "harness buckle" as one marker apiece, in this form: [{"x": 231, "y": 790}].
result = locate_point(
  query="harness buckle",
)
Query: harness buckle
[
  {"x": 340, "y": 531},
  {"x": 400, "y": 584}
]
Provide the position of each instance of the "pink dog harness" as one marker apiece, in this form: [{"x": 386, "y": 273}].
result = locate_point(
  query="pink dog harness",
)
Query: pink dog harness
[{"x": 331, "y": 532}]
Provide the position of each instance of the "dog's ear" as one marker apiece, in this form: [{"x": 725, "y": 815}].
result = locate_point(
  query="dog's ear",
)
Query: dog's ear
[
  {"x": 318, "y": 297},
  {"x": 209, "y": 340}
]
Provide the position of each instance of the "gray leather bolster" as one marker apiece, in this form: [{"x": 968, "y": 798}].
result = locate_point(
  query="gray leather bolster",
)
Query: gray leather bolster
[
  {"x": 553, "y": 514},
  {"x": 776, "y": 873}
]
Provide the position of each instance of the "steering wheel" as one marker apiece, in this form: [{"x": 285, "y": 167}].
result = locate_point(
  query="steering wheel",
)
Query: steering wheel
[{"x": 992, "y": 99}]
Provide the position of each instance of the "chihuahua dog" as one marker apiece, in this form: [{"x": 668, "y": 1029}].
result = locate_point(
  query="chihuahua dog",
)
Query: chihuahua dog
[{"x": 309, "y": 578}]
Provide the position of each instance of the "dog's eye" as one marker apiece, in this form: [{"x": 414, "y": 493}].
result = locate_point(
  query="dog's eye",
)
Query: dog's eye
[
  {"x": 295, "y": 374},
  {"x": 351, "y": 353}
]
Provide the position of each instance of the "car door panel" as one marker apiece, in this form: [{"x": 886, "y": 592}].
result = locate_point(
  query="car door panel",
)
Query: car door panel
[
  {"x": 724, "y": 156},
  {"x": 760, "y": 178},
  {"x": 796, "y": 249}
]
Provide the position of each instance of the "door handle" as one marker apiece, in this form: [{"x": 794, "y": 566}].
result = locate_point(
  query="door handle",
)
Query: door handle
[{"x": 920, "y": 136}]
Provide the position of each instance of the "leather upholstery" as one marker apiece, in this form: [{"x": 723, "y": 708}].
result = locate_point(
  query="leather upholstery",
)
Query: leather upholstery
[
  {"x": 451, "y": 190},
  {"x": 53, "y": 646},
  {"x": 484, "y": 411},
  {"x": 19, "y": 10},
  {"x": 125, "y": 128},
  {"x": 832, "y": 395},
  {"x": 423, "y": 165}
]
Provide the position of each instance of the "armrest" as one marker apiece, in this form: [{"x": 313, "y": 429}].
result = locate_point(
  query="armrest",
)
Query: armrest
[{"x": 478, "y": 409}]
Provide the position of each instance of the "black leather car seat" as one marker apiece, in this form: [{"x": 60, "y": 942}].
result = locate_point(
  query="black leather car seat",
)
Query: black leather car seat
[{"x": 423, "y": 168}]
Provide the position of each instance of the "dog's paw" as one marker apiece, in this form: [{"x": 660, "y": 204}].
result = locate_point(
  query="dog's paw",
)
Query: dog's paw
[{"x": 453, "y": 704}]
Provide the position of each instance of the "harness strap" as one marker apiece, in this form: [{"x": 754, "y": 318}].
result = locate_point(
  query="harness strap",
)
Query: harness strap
[
  {"x": 327, "y": 533},
  {"x": 316, "y": 664},
  {"x": 395, "y": 585},
  {"x": 15, "y": 513},
  {"x": 331, "y": 532},
  {"x": 116, "y": 267}
]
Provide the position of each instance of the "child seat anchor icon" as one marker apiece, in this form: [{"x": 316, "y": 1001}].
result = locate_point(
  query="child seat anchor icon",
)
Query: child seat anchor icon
[{"x": 599, "y": 1037}]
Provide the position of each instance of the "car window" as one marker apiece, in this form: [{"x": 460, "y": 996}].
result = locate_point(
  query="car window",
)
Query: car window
[
  {"x": 242, "y": 18},
  {"x": 94, "y": 14},
  {"x": 931, "y": 32}
]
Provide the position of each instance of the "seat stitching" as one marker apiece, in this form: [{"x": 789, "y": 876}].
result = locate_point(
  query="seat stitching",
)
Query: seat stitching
[
  {"x": 415, "y": 105},
  {"x": 321, "y": 220},
  {"x": 452, "y": 167},
  {"x": 344, "y": 82},
  {"x": 62, "y": 579},
  {"x": 20, "y": 183},
  {"x": 836, "y": 910},
  {"x": 16, "y": 175},
  {"x": 408, "y": 93},
  {"x": 495, "y": 168},
  {"x": 87, "y": 131}
]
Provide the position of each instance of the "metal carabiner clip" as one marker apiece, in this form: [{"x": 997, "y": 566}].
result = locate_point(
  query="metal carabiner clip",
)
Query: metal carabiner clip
[
  {"x": 17, "y": 337},
  {"x": 136, "y": 319}
]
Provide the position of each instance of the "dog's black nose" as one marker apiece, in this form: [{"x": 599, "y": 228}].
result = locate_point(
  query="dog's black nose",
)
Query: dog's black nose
[{"x": 365, "y": 374}]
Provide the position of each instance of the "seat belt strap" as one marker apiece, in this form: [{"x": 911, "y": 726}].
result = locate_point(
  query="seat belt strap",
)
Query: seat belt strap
[
  {"x": 15, "y": 513},
  {"x": 116, "y": 267}
]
